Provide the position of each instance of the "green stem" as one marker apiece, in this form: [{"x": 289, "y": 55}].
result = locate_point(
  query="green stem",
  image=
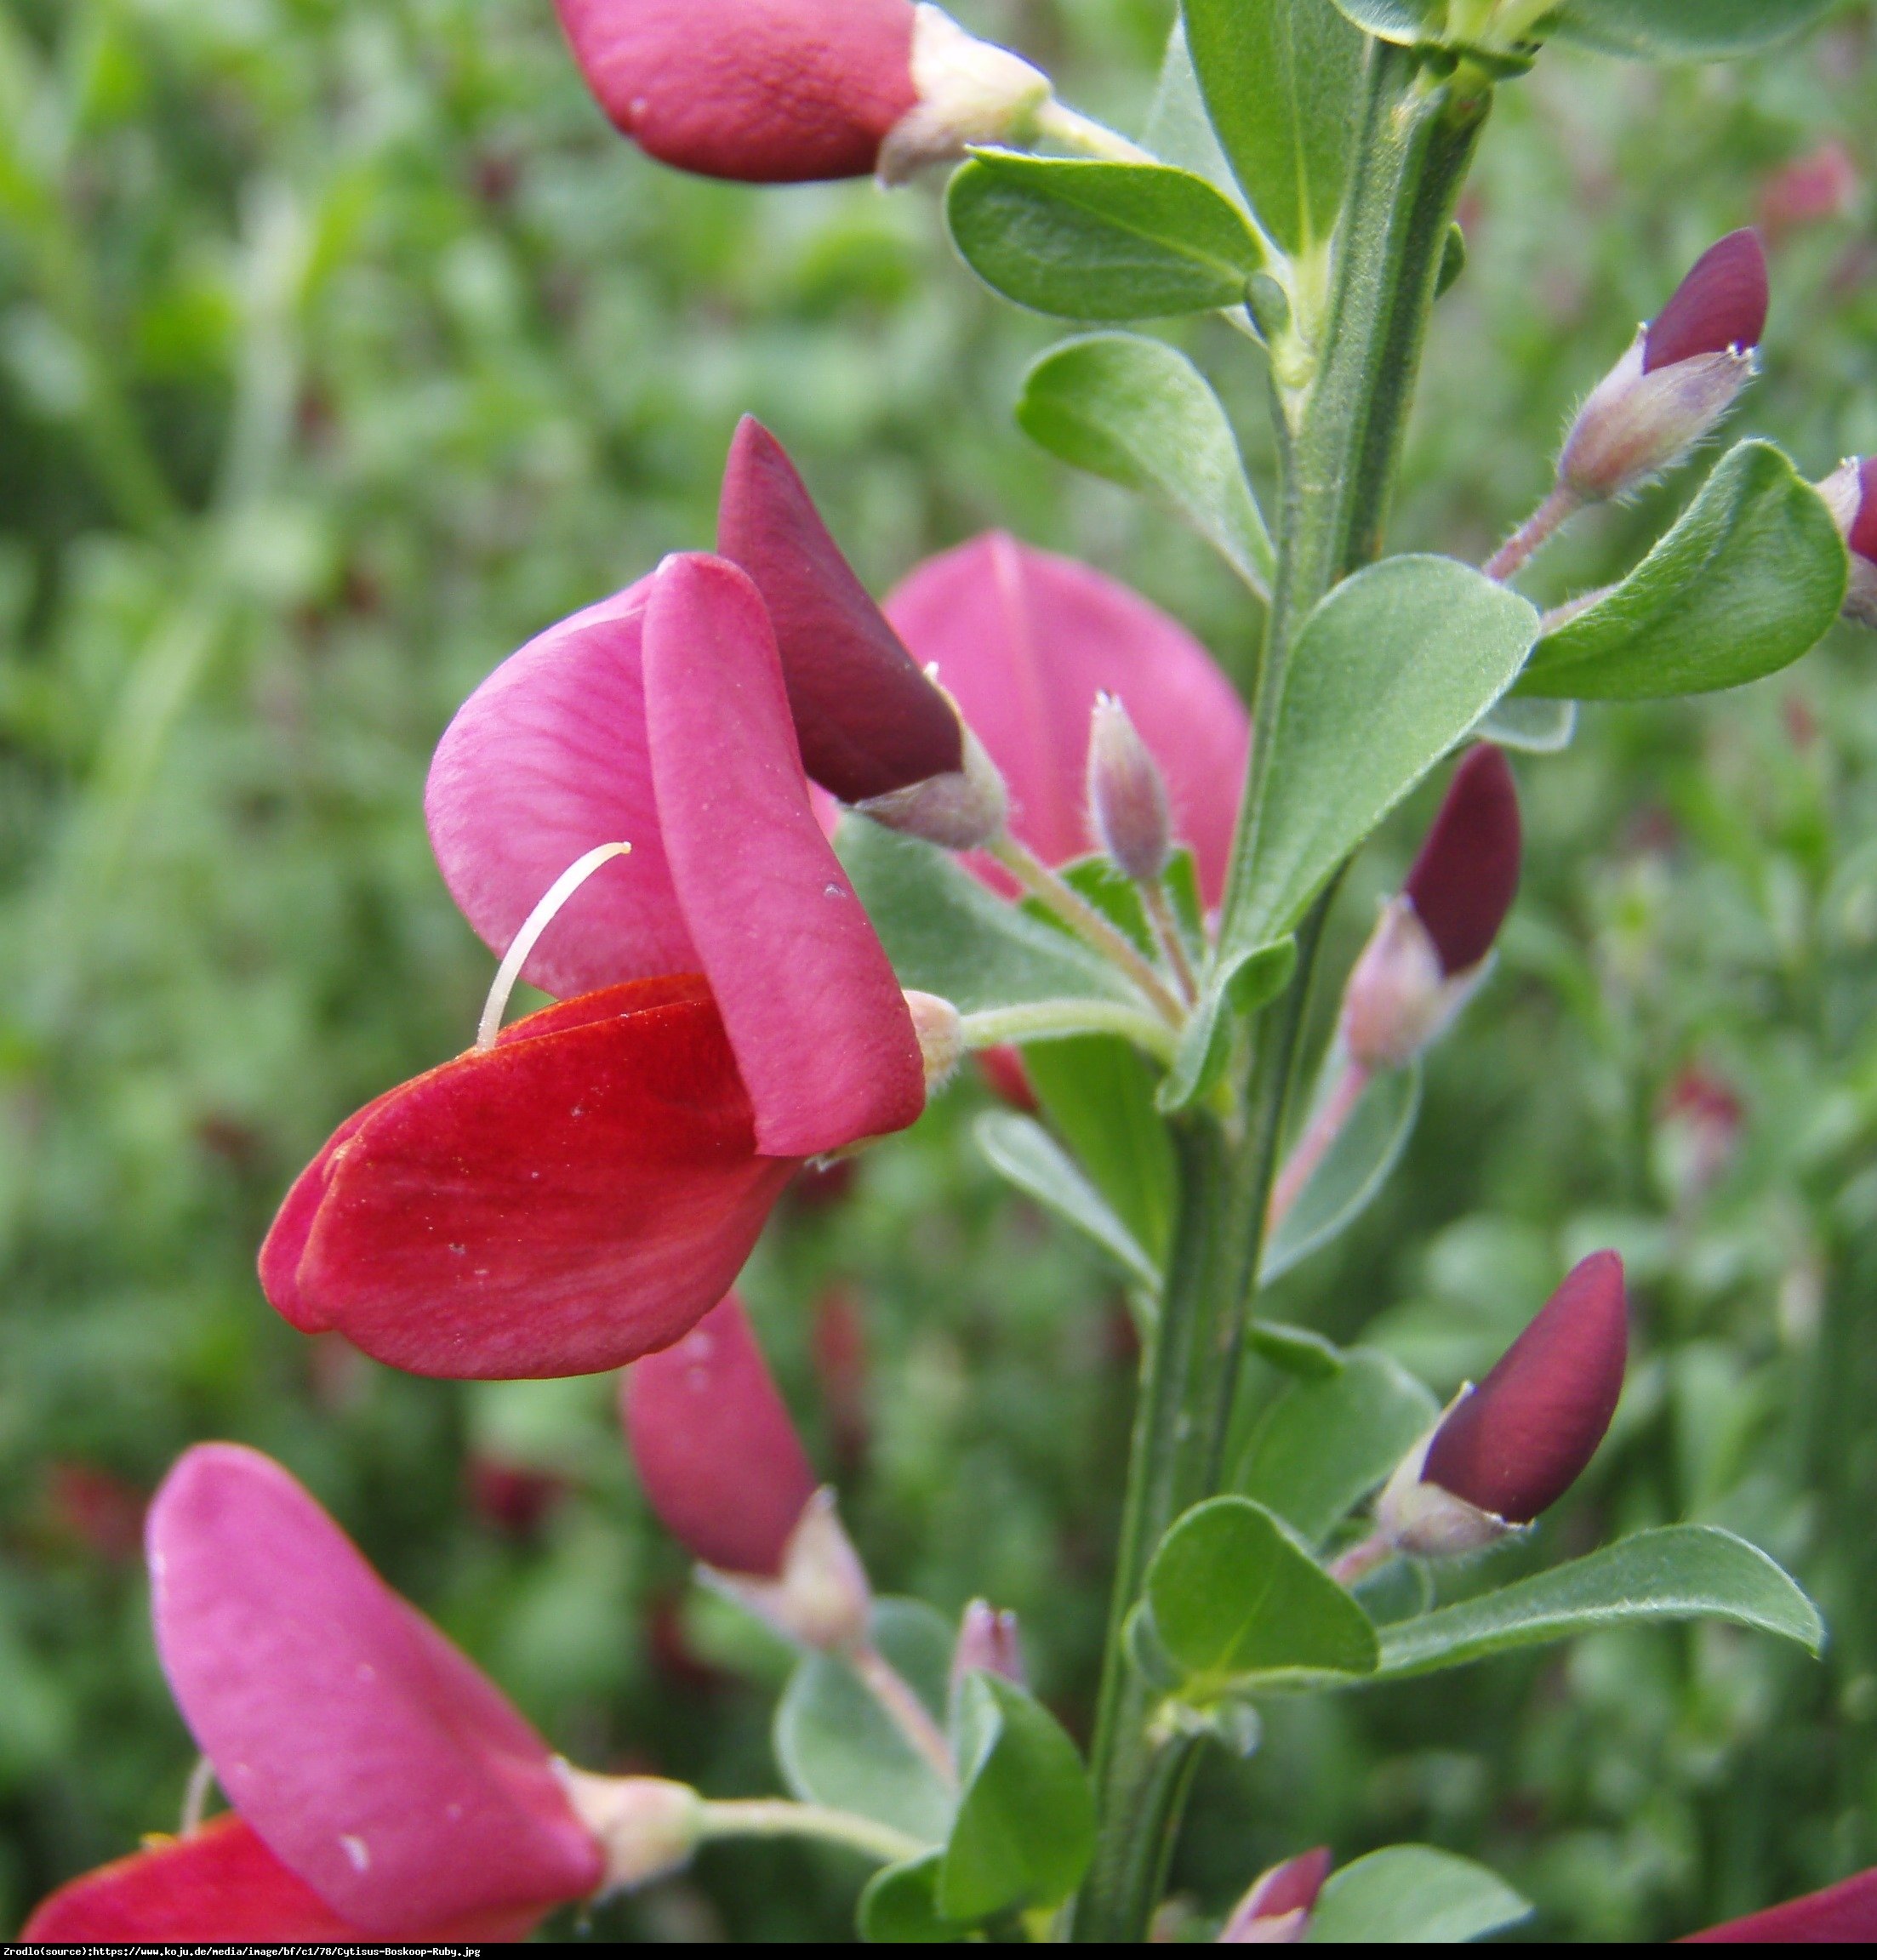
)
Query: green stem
[
  {"x": 776, "y": 1817},
  {"x": 1044, "y": 1019},
  {"x": 1342, "y": 439}
]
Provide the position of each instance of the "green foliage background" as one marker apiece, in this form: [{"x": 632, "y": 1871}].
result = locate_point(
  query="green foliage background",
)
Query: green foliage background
[{"x": 341, "y": 348}]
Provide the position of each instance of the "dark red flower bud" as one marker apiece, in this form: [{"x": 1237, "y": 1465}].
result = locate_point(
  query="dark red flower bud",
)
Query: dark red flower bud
[
  {"x": 1464, "y": 880},
  {"x": 714, "y": 1446},
  {"x": 1863, "y": 529},
  {"x": 1720, "y": 305},
  {"x": 1842, "y": 1915},
  {"x": 764, "y": 91},
  {"x": 1823, "y": 184},
  {"x": 1276, "y": 1910},
  {"x": 1852, "y": 492},
  {"x": 1519, "y": 1441},
  {"x": 869, "y": 722},
  {"x": 512, "y": 1498}
]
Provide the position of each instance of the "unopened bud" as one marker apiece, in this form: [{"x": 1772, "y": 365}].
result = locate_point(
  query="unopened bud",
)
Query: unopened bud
[
  {"x": 647, "y": 1827},
  {"x": 963, "y": 811},
  {"x": 1428, "y": 950},
  {"x": 869, "y": 722},
  {"x": 1276, "y": 1911},
  {"x": 969, "y": 92},
  {"x": 1851, "y": 490},
  {"x": 1681, "y": 375},
  {"x": 1126, "y": 795},
  {"x": 941, "y": 1034},
  {"x": 988, "y": 1643},
  {"x": 1509, "y": 1448},
  {"x": 715, "y": 1448}
]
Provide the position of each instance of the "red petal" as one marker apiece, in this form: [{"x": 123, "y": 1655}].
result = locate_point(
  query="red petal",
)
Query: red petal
[
  {"x": 766, "y": 91},
  {"x": 1842, "y": 1915},
  {"x": 572, "y": 1198},
  {"x": 822, "y": 1036},
  {"x": 714, "y": 1447},
  {"x": 373, "y": 1759},
  {"x": 1026, "y": 640},
  {"x": 868, "y": 720},
  {"x": 1522, "y": 1438},
  {"x": 1464, "y": 880},
  {"x": 1721, "y": 304}
]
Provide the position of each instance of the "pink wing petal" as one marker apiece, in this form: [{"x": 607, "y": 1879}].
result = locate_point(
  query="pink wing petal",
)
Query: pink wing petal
[
  {"x": 545, "y": 760},
  {"x": 372, "y": 1757},
  {"x": 1026, "y": 640},
  {"x": 819, "y": 1027}
]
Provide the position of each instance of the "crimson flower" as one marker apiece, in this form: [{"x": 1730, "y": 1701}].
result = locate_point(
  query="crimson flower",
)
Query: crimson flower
[
  {"x": 1841, "y": 1915},
  {"x": 1025, "y": 643},
  {"x": 1720, "y": 305},
  {"x": 383, "y": 1787},
  {"x": 584, "y": 1189},
  {"x": 1511, "y": 1448}
]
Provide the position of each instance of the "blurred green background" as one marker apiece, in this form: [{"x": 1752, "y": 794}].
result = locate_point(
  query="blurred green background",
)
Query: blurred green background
[{"x": 341, "y": 348}]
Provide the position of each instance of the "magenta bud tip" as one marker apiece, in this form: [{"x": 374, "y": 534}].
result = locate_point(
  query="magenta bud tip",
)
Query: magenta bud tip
[
  {"x": 1863, "y": 535},
  {"x": 1519, "y": 1441},
  {"x": 1463, "y": 882},
  {"x": 1285, "y": 1893},
  {"x": 1721, "y": 304}
]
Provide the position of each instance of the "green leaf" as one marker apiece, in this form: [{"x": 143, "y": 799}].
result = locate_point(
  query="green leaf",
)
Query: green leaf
[
  {"x": 1322, "y": 1446},
  {"x": 835, "y": 1745},
  {"x": 1236, "y": 1602},
  {"x": 1680, "y": 1572},
  {"x": 1179, "y": 130},
  {"x": 1394, "y": 668},
  {"x": 1031, "y": 1159},
  {"x": 946, "y": 934},
  {"x": 1093, "y": 240},
  {"x": 1406, "y": 22},
  {"x": 1411, "y": 1894},
  {"x": 1025, "y": 1828},
  {"x": 1296, "y": 1350},
  {"x": 1279, "y": 78},
  {"x": 1098, "y": 1096},
  {"x": 1240, "y": 985},
  {"x": 1686, "y": 29},
  {"x": 1540, "y": 727},
  {"x": 1139, "y": 412},
  {"x": 1355, "y": 1167},
  {"x": 900, "y": 1907},
  {"x": 1749, "y": 580}
]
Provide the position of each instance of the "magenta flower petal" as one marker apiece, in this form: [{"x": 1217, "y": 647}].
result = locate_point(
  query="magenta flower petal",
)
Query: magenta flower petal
[
  {"x": 1521, "y": 1438},
  {"x": 1026, "y": 640},
  {"x": 867, "y": 721},
  {"x": 766, "y": 91},
  {"x": 545, "y": 760},
  {"x": 714, "y": 1447},
  {"x": 375, "y": 1761},
  {"x": 1721, "y": 304},
  {"x": 1467, "y": 875},
  {"x": 1842, "y": 1915},
  {"x": 1862, "y": 536},
  {"x": 820, "y": 1029},
  {"x": 1290, "y": 1887}
]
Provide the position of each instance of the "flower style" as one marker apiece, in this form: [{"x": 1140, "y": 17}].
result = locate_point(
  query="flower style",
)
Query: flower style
[
  {"x": 1851, "y": 490},
  {"x": 784, "y": 91},
  {"x": 722, "y": 1467},
  {"x": 1025, "y": 643},
  {"x": 1429, "y": 950},
  {"x": 1509, "y": 1448},
  {"x": 1684, "y": 370},
  {"x": 383, "y": 1787},
  {"x": 584, "y": 1189},
  {"x": 1276, "y": 1911}
]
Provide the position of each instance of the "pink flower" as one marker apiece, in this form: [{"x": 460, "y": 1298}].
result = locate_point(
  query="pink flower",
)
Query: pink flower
[
  {"x": 1276, "y": 1911},
  {"x": 384, "y": 1787},
  {"x": 721, "y": 1465},
  {"x": 585, "y": 1188},
  {"x": 1851, "y": 492},
  {"x": 1024, "y": 642},
  {"x": 1511, "y": 1448},
  {"x": 1821, "y": 184},
  {"x": 1425, "y": 956},
  {"x": 1842, "y": 1915}
]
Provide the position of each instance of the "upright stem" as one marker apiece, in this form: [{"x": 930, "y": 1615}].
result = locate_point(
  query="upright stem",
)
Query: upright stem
[{"x": 1342, "y": 439}]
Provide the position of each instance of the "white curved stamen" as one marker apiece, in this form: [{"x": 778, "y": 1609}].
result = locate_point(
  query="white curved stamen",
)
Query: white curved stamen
[{"x": 537, "y": 922}]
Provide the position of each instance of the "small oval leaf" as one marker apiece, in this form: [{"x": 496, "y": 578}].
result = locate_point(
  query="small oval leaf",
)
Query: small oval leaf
[
  {"x": 1411, "y": 1894},
  {"x": 1032, "y": 1159},
  {"x": 1749, "y": 580},
  {"x": 1685, "y": 29},
  {"x": 1680, "y": 1572},
  {"x": 1355, "y": 1167},
  {"x": 1096, "y": 240}
]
